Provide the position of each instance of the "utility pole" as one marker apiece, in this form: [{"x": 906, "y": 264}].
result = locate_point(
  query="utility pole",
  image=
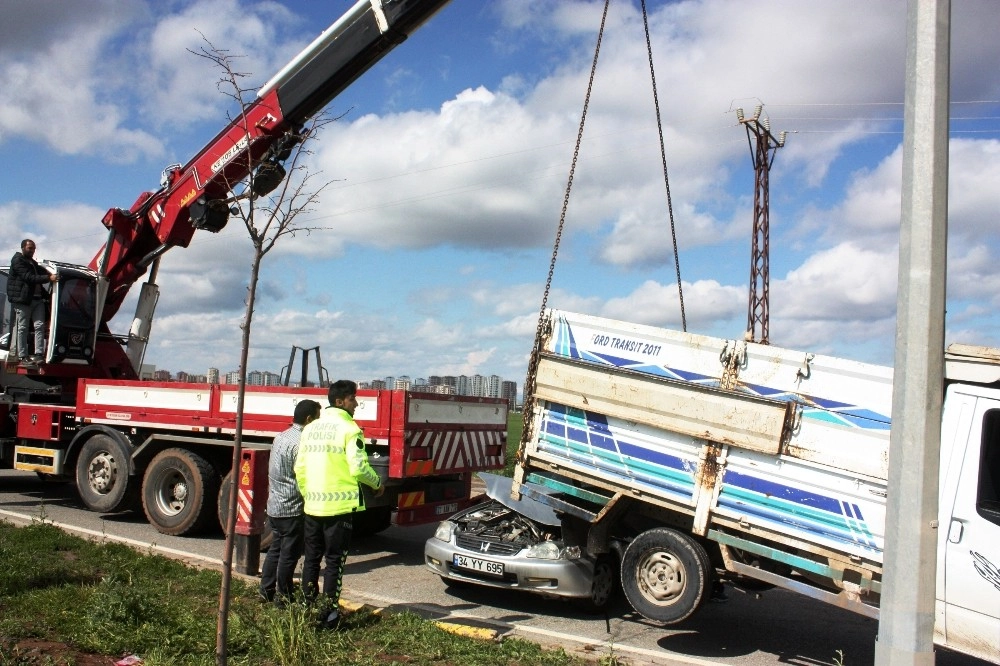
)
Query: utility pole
[
  {"x": 763, "y": 147},
  {"x": 907, "y": 616}
]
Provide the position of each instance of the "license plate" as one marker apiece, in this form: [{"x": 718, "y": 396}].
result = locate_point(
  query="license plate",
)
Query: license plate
[
  {"x": 446, "y": 509},
  {"x": 476, "y": 564}
]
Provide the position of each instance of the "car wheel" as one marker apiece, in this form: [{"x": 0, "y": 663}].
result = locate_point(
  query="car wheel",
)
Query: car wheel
[
  {"x": 102, "y": 478},
  {"x": 666, "y": 575},
  {"x": 266, "y": 535},
  {"x": 178, "y": 492},
  {"x": 602, "y": 587}
]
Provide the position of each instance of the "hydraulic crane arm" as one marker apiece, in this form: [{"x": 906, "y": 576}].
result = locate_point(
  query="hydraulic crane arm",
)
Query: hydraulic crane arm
[
  {"x": 196, "y": 195},
  {"x": 245, "y": 157}
]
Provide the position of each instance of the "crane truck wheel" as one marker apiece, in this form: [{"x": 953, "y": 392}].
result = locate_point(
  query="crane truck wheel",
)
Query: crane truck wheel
[
  {"x": 102, "y": 479},
  {"x": 178, "y": 492},
  {"x": 266, "y": 535},
  {"x": 666, "y": 575}
]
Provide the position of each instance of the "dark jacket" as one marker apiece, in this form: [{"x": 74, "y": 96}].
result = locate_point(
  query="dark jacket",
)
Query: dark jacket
[{"x": 25, "y": 274}]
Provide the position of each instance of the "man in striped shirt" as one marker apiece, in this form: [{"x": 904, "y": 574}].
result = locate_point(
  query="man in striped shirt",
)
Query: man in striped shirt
[{"x": 284, "y": 508}]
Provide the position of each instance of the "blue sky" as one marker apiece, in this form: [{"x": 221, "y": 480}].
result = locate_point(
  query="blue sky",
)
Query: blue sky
[{"x": 449, "y": 166}]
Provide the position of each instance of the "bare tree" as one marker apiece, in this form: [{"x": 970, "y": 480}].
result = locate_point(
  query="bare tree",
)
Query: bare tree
[{"x": 269, "y": 202}]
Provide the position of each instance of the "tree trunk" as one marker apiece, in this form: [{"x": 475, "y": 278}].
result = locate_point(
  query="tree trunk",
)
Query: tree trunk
[{"x": 221, "y": 644}]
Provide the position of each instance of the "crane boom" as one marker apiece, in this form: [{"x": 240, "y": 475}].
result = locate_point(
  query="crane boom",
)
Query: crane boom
[
  {"x": 197, "y": 195},
  {"x": 85, "y": 413},
  {"x": 192, "y": 195}
]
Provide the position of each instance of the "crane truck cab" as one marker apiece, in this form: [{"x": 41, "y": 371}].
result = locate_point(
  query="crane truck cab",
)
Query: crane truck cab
[{"x": 75, "y": 301}]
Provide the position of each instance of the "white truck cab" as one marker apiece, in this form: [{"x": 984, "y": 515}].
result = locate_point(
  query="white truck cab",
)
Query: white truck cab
[{"x": 968, "y": 572}]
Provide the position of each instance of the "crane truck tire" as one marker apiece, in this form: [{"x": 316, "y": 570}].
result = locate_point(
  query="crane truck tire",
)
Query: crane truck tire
[
  {"x": 102, "y": 478},
  {"x": 179, "y": 491},
  {"x": 666, "y": 575},
  {"x": 266, "y": 535}
]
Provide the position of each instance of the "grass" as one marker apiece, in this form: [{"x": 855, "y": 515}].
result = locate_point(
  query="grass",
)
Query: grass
[{"x": 64, "y": 599}]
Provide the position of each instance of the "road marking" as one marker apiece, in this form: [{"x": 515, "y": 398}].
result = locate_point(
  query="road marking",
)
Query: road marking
[
  {"x": 668, "y": 658},
  {"x": 468, "y": 631},
  {"x": 652, "y": 656}
]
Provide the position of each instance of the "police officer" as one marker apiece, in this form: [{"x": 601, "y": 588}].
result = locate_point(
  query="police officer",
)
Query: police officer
[{"x": 329, "y": 468}]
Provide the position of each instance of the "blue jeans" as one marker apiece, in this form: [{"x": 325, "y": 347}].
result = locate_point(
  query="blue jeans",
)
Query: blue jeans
[
  {"x": 329, "y": 537},
  {"x": 282, "y": 556},
  {"x": 34, "y": 313}
]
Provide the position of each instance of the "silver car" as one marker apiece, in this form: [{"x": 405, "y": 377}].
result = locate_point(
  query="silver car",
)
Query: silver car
[{"x": 493, "y": 544}]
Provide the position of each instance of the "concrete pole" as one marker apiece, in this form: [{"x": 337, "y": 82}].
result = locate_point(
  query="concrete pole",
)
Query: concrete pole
[{"x": 906, "y": 624}]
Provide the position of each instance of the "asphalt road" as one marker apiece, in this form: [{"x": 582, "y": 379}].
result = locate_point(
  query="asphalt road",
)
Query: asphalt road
[{"x": 387, "y": 571}]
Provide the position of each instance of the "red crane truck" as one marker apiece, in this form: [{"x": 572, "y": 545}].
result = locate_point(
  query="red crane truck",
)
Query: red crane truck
[{"x": 84, "y": 414}]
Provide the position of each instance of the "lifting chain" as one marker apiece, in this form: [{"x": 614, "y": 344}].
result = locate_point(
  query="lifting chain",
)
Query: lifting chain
[
  {"x": 528, "y": 408},
  {"x": 663, "y": 157}
]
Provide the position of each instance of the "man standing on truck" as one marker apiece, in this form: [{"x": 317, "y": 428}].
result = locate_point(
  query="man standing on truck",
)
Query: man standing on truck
[
  {"x": 330, "y": 467},
  {"x": 284, "y": 507},
  {"x": 26, "y": 295}
]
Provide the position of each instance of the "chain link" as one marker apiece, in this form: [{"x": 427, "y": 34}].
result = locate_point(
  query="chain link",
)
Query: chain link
[
  {"x": 528, "y": 408},
  {"x": 663, "y": 157}
]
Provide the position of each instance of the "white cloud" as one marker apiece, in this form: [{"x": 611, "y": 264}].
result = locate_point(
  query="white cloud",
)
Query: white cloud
[
  {"x": 658, "y": 304},
  {"x": 476, "y": 180},
  {"x": 107, "y": 78},
  {"x": 843, "y": 283},
  {"x": 60, "y": 88},
  {"x": 184, "y": 88}
]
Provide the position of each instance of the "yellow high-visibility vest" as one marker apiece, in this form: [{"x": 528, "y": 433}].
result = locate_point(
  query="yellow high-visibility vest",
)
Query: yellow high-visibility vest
[{"x": 330, "y": 464}]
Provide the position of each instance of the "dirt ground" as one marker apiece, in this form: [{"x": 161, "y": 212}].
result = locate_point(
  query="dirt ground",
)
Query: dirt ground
[{"x": 32, "y": 651}]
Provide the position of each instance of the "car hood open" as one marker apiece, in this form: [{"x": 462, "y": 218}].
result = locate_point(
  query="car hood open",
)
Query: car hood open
[{"x": 498, "y": 488}]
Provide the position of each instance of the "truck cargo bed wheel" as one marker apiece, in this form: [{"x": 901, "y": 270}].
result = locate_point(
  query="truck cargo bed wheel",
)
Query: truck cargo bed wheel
[
  {"x": 102, "y": 479},
  {"x": 179, "y": 491},
  {"x": 666, "y": 575},
  {"x": 266, "y": 536}
]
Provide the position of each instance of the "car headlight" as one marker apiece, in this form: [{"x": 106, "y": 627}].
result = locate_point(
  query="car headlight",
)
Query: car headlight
[
  {"x": 444, "y": 531},
  {"x": 545, "y": 550},
  {"x": 551, "y": 550}
]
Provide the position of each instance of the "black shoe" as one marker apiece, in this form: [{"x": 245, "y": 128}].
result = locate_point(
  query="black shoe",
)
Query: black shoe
[
  {"x": 35, "y": 358},
  {"x": 331, "y": 623}
]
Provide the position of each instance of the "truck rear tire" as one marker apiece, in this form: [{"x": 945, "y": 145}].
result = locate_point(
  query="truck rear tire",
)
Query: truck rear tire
[
  {"x": 666, "y": 575},
  {"x": 102, "y": 479},
  {"x": 179, "y": 491},
  {"x": 266, "y": 536}
]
